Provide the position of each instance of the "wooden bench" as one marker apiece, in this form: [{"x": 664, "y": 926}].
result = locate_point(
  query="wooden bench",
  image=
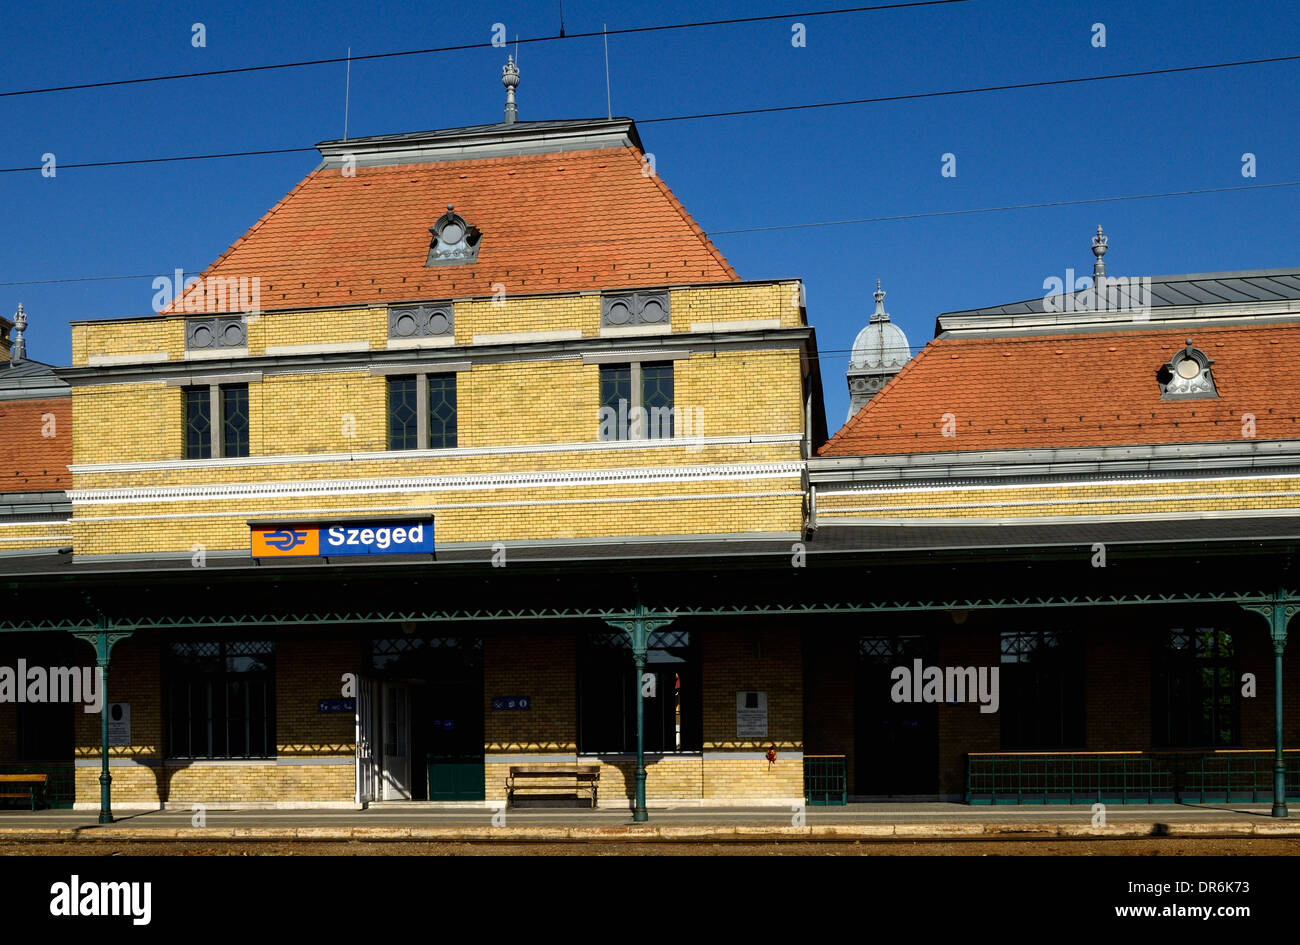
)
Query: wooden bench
[
  {"x": 567, "y": 780},
  {"x": 35, "y": 783}
]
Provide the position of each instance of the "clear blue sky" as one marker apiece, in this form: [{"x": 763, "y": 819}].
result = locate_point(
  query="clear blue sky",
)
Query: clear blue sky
[{"x": 1143, "y": 135}]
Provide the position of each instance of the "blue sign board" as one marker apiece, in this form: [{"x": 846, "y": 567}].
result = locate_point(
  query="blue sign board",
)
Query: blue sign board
[
  {"x": 392, "y": 537},
  {"x": 337, "y": 705},
  {"x": 507, "y": 703}
]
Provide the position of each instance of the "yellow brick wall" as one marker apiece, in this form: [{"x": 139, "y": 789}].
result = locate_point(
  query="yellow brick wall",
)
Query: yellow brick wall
[
  {"x": 742, "y": 302},
  {"x": 101, "y": 531},
  {"x": 31, "y": 535},
  {"x": 124, "y": 423},
  {"x": 510, "y": 404},
  {"x": 1117, "y": 498},
  {"x": 527, "y": 313},
  {"x": 335, "y": 326},
  {"x": 484, "y": 316},
  {"x": 137, "y": 336}
]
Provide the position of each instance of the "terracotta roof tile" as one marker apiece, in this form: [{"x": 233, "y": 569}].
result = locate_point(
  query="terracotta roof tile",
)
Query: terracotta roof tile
[
  {"x": 553, "y": 222},
  {"x": 1095, "y": 389}
]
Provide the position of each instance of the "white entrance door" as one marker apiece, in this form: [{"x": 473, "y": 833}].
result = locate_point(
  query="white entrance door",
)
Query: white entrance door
[
  {"x": 367, "y": 710},
  {"x": 397, "y": 742}
]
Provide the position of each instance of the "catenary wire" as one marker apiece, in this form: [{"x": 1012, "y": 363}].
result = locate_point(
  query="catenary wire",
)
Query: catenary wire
[
  {"x": 466, "y": 46},
  {"x": 772, "y": 109}
]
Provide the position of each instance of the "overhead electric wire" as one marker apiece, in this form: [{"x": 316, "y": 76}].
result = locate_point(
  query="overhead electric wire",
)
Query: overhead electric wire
[
  {"x": 712, "y": 233},
  {"x": 466, "y": 46},
  {"x": 767, "y": 110}
]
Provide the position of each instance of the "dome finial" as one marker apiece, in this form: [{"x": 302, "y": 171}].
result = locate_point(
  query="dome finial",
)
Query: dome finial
[{"x": 880, "y": 315}]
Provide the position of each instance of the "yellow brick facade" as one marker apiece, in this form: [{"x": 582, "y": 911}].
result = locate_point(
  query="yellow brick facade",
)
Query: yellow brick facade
[
  {"x": 1125, "y": 497},
  {"x": 526, "y": 417}
]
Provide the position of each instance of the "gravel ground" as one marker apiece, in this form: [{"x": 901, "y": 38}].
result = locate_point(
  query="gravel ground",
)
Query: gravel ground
[{"x": 1119, "y": 847}]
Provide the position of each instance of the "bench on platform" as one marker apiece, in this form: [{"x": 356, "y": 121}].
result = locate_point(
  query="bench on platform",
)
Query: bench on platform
[
  {"x": 35, "y": 784},
  {"x": 553, "y": 780}
]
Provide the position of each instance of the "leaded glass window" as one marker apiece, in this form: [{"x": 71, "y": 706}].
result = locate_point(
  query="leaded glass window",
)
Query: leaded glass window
[
  {"x": 615, "y": 401},
  {"x": 657, "y": 399},
  {"x": 442, "y": 411},
  {"x": 198, "y": 423},
  {"x": 636, "y": 401},
  {"x": 234, "y": 420},
  {"x": 220, "y": 699},
  {"x": 403, "y": 413}
]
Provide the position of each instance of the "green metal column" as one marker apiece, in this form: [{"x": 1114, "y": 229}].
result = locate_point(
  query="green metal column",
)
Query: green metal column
[
  {"x": 1281, "y": 617},
  {"x": 638, "y": 625},
  {"x": 103, "y": 641},
  {"x": 1278, "y": 614}
]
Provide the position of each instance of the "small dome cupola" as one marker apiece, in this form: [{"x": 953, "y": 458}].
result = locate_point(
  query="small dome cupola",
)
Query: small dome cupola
[
  {"x": 1186, "y": 375},
  {"x": 454, "y": 240},
  {"x": 879, "y": 352}
]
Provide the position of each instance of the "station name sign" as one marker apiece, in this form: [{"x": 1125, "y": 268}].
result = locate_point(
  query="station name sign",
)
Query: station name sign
[{"x": 336, "y": 539}]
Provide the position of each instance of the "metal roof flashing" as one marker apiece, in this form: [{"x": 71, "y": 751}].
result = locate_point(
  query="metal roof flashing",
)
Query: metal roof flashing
[{"x": 481, "y": 141}]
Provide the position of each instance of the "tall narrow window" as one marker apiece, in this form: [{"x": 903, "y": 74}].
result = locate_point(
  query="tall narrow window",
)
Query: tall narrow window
[
  {"x": 615, "y": 401},
  {"x": 442, "y": 411},
  {"x": 657, "y": 399},
  {"x": 234, "y": 420},
  {"x": 403, "y": 413},
  {"x": 1042, "y": 690},
  {"x": 216, "y": 421},
  {"x": 636, "y": 401},
  {"x": 1196, "y": 691},
  {"x": 198, "y": 423}
]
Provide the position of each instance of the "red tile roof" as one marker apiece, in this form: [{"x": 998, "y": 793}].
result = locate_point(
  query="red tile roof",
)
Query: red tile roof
[
  {"x": 30, "y": 461},
  {"x": 1094, "y": 389},
  {"x": 551, "y": 222}
]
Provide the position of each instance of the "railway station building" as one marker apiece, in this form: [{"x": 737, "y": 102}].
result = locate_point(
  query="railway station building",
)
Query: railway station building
[{"x": 474, "y": 454}]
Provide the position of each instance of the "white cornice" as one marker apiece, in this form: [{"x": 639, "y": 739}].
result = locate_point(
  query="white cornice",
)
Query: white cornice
[
  {"x": 427, "y": 484},
  {"x": 663, "y": 448}
]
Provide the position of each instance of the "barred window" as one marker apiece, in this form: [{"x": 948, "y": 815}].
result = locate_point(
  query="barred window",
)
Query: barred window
[{"x": 220, "y": 699}]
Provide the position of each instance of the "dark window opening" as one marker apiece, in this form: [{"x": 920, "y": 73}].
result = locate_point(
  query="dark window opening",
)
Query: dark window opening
[
  {"x": 220, "y": 699},
  {"x": 1196, "y": 697},
  {"x": 1041, "y": 690},
  {"x": 607, "y": 689}
]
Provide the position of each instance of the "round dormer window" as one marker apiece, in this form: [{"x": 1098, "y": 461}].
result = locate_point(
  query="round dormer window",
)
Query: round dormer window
[
  {"x": 452, "y": 232},
  {"x": 1188, "y": 368}
]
